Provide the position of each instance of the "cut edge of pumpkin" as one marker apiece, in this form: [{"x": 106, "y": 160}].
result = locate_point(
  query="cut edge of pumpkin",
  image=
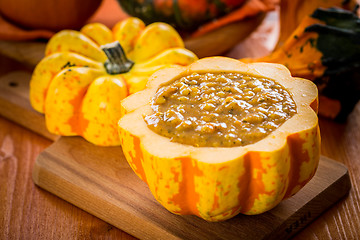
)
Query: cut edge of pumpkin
[{"x": 304, "y": 93}]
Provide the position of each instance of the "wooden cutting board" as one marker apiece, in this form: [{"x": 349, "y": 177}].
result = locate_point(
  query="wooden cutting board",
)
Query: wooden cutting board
[{"x": 15, "y": 104}]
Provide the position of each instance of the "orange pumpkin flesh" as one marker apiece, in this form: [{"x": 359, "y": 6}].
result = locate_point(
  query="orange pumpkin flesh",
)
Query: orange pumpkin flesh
[{"x": 218, "y": 183}]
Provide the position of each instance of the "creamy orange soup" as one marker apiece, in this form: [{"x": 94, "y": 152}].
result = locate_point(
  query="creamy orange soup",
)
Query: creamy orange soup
[{"x": 219, "y": 109}]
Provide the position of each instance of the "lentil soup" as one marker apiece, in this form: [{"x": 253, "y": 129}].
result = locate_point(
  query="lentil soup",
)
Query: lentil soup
[{"x": 219, "y": 109}]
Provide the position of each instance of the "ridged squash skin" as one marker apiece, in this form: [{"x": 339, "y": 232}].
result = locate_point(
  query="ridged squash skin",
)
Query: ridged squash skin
[
  {"x": 76, "y": 92},
  {"x": 219, "y": 183}
]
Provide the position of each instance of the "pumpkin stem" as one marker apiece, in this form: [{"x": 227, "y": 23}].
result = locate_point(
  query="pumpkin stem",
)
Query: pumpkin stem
[{"x": 117, "y": 61}]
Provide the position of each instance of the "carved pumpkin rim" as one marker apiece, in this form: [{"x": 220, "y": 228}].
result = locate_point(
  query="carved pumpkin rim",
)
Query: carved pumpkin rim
[{"x": 304, "y": 93}]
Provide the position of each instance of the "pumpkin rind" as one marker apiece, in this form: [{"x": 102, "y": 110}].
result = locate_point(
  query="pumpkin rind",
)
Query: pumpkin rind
[
  {"x": 71, "y": 85},
  {"x": 218, "y": 183}
]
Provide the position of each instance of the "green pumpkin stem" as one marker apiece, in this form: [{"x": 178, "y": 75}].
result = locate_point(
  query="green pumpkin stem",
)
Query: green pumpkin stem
[{"x": 117, "y": 61}]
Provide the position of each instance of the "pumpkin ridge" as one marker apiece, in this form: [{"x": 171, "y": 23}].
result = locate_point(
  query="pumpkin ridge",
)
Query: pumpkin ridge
[
  {"x": 294, "y": 173},
  {"x": 315, "y": 105},
  {"x": 97, "y": 32},
  {"x": 216, "y": 203},
  {"x": 75, "y": 42},
  {"x": 244, "y": 185},
  {"x": 299, "y": 155},
  {"x": 77, "y": 122},
  {"x": 72, "y": 82},
  {"x": 254, "y": 161},
  {"x": 138, "y": 158},
  {"x": 48, "y": 68},
  {"x": 187, "y": 187},
  {"x": 127, "y": 32}
]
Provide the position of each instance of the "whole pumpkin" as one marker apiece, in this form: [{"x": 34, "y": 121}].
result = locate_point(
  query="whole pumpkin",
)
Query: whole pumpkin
[
  {"x": 217, "y": 183},
  {"x": 84, "y": 75},
  {"x": 183, "y": 14},
  {"x": 49, "y": 14}
]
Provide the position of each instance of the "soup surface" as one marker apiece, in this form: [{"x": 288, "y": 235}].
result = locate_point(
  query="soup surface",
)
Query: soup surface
[{"x": 219, "y": 109}]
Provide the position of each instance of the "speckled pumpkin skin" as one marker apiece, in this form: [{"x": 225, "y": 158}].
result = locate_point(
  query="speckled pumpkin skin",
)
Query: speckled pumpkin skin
[
  {"x": 73, "y": 89},
  {"x": 219, "y": 183}
]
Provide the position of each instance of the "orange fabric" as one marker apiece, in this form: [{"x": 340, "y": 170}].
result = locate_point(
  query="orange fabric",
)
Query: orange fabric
[
  {"x": 249, "y": 9},
  {"x": 9, "y": 31},
  {"x": 109, "y": 13}
]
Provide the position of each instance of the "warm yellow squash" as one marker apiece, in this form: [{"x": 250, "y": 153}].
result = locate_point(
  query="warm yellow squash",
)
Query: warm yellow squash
[
  {"x": 85, "y": 74},
  {"x": 217, "y": 183}
]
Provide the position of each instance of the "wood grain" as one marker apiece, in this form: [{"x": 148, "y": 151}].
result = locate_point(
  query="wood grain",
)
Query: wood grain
[
  {"x": 27, "y": 53},
  {"x": 14, "y": 97},
  {"x": 26, "y": 211},
  {"x": 15, "y": 104}
]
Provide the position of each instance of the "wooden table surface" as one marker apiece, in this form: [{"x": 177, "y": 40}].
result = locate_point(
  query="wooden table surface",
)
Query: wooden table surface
[{"x": 28, "y": 212}]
